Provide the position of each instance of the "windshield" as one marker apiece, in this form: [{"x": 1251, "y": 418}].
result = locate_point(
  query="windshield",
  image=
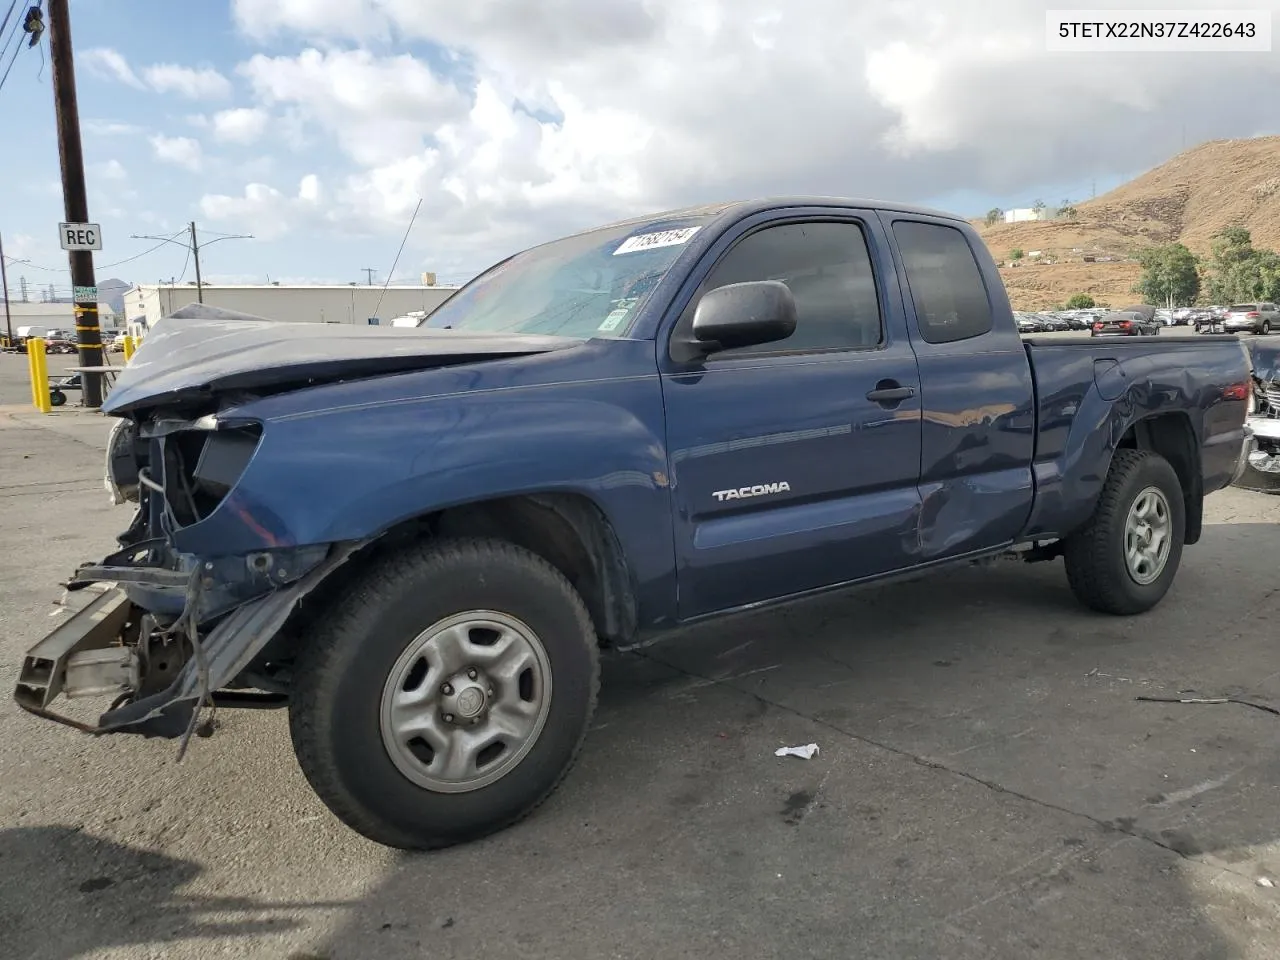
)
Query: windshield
[{"x": 583, "y": 286}]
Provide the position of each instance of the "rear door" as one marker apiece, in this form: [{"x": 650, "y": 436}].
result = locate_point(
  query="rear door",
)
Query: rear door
[
  {"x": 978, "y": 412},
  {"x": 795, "y": 463}
]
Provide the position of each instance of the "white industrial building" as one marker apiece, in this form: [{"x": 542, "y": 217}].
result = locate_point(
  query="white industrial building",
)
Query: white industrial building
[
  {"x": 37, "y": 319},
  {"x": 319, "y": 303},
  {"x": 1023, "y": 214}
]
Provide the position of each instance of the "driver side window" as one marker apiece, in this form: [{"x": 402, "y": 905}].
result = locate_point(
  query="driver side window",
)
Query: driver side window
[{"x": 826, "y": 265}]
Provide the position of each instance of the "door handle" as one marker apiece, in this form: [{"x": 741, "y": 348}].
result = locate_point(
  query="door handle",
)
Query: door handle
[{"x": 890, "y": 393}]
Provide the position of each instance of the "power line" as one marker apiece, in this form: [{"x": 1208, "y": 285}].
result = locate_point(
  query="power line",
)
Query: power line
[
  {"x": 5, "y": 22},
  {"x": 36, "y": 266},
  {"x": 397, "y": 259},
  {"x": 104, "y": 266},
  {"x": 194, "y": 246},
  {"x": 185, "y": 263},
  {"x": 108, "y": 266},
  {"x": 14, "y": 56},
  {"x": 32, "y": 24}
]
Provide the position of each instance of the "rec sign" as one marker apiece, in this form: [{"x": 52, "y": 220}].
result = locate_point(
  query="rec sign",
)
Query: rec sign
[{"x": 80, "y": 236}]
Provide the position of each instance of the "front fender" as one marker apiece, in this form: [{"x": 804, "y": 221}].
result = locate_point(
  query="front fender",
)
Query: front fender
[{"x": 352, "y": 472}]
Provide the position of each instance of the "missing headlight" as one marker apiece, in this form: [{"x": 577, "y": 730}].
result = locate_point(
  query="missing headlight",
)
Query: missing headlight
[{"x": 222, "y": 460}]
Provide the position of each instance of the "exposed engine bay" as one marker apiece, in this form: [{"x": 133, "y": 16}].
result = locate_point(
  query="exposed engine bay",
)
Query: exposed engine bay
[{"x": 164, "y": 631}]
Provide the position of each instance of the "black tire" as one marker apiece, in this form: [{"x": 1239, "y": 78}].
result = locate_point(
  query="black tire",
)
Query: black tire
[
  {"x": 336, "y": 700},
  {"x": 1095, "y": 554},
  {"x": 1266, "y": 327},
  {"x": 57, "y": 398}
]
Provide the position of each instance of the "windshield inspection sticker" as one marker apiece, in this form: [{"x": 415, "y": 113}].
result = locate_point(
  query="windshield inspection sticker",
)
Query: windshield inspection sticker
[
  {"x": 663, "y": 238},
  {"x": 612, "y": 321}
]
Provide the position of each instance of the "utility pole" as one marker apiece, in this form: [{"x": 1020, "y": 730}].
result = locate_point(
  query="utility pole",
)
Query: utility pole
[
  {"x": 193, "y": 245},
  {"x": 4, "y": 280},
  {"x": 368, "y": 272},
  {"x": 75, "y": 202},
  {"x": 195, "y": 250}
]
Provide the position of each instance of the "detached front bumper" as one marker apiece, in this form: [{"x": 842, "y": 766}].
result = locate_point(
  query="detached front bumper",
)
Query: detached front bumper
[
  {"x": 1263, "y": 454},
  {"x": 100, "y": 650}
]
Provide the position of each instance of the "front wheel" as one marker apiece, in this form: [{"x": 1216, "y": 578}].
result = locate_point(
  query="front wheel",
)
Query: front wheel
[
  {"x": 447, "y": 694},
  {"x": 1266, "y": 327},
  {"x": 1124, "y": 559}
]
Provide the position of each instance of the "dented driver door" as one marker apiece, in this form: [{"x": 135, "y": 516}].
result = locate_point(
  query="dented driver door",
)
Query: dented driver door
[{"x": 795, "y": 464}]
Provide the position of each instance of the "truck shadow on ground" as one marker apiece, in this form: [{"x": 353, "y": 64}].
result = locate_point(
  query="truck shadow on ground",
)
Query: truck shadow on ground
[
  {"x": 98, "y": 895},
  {"x": 988, "y": 786}
]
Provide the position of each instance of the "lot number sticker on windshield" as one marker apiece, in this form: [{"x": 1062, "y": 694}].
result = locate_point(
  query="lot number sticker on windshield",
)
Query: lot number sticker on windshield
[
  {"x": 663, "y": 238},
  {"x": 614, "y": 319}
]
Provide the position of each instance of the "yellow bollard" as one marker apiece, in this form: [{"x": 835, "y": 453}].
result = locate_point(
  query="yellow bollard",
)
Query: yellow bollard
[
  {"x": 129, "y": 347},
  {"x": 39, "y": 375},
  {"x": 31, "y": 372}
]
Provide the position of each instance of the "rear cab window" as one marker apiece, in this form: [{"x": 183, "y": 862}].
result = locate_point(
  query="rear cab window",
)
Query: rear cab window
[{"x": 945, "y": 282}]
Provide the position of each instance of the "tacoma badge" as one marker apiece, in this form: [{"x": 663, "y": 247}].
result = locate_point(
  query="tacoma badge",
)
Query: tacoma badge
[{"x": 759, "y": 490}]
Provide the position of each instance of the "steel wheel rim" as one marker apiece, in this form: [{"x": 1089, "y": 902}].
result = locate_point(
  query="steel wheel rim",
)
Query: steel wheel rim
[
  {"x": 1148, "y": 536},
  {"x": 465, "y": 685}
]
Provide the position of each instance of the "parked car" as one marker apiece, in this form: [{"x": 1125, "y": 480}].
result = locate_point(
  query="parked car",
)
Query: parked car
[
  {"x": 1027, "y": 324},
  {"x": 1136, "y": 321},
  {"x": 1251, "y": 317},
  {"x": 59, "y": 345},
  {"x": 416, "y": 539}
]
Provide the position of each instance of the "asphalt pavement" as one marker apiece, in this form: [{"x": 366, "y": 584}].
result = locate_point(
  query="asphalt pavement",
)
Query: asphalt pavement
[{"x": 987, "y": 786}]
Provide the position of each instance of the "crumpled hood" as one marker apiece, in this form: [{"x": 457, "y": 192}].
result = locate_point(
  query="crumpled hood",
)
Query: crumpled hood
[
  {"x": 1265, "y": 356},
  {"x": 201, "y": 350}
]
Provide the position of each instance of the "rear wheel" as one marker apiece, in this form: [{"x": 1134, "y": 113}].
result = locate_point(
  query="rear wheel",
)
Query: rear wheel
[
  {"x": 447, "y": 695},
  {"x": 1124, "y": 559},
  {"x": 1266, "y": 327}
]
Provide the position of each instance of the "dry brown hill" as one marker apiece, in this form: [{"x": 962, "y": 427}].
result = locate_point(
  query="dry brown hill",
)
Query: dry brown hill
[{"x": 1188, "y": 199}]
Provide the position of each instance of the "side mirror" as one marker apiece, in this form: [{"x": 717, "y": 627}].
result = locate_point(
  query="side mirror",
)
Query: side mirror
[{"x": 743, "y": 315}]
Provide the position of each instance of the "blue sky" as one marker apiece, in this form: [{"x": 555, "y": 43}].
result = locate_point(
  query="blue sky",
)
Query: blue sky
[{"x": 318, "y": 125}]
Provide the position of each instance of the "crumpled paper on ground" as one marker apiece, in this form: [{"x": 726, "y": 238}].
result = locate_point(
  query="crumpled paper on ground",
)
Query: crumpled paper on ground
[{"x": 807, "y": 752}]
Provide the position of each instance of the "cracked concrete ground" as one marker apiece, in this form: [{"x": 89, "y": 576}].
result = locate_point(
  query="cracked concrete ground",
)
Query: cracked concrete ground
[{"x": 987, "y": 787}]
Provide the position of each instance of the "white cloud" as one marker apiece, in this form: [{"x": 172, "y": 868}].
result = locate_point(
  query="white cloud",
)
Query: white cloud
[
  {"x": 204, "y": 83},
  {"x": 240, "y": 125},
  {"x": 266, "y": 212},
  {"x": 109, "y": 170},
  {"x": 109, "y": 64},
  {"x": 646, "y": 105},
  {"x": 309, "y": 188},
  {"x": 109, "y": 128},
  {"x": 377, "y": 108},
  {"x": 182, "y": 151}
]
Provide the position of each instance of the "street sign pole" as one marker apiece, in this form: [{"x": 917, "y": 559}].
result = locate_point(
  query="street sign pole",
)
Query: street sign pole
[{"x": 75, "y": 201}]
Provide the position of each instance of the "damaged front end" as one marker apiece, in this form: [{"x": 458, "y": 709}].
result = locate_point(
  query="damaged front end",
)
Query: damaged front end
[
  {"x": 1261, "y": 470},
  {"x": 167, "y": 633}
]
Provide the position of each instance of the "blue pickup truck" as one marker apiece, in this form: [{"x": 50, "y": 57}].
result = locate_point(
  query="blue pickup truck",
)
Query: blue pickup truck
[{"x": 417, "y": 540}]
